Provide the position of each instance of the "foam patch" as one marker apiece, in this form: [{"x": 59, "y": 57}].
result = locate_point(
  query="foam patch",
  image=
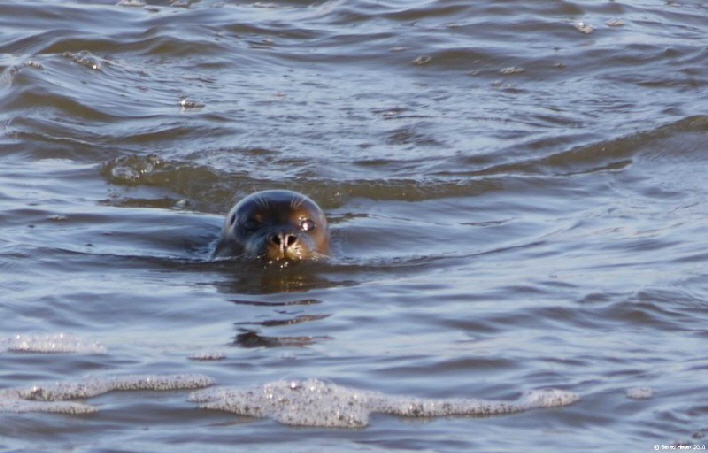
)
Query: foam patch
[
  {"x": 53, "y": 397},
  {"x": 640, "y": 393},
  {"x": 318, "y": 403},
  {"x": 207, "y": 356},
  {"x": 23, "y": 406},
  {"x": 50, "y": 344}
]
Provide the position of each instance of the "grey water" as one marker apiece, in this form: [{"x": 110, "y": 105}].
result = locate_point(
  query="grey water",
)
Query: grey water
[{"x": 517, "y": 194}]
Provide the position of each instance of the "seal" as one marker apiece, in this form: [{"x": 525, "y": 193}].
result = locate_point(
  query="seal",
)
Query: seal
[{"x": 275, "y": 225}]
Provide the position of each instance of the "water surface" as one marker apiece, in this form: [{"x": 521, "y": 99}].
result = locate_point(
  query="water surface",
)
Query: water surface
[{"x": 517, "y": 199}]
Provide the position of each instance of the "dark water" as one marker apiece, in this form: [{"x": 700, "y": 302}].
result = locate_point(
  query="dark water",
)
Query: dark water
[{"x": 517, "y": 192}]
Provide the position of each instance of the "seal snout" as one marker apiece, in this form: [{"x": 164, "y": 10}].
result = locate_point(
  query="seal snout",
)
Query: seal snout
[
  {"x": 284, "y": 241},
  {"x": 284, "y": 245}
]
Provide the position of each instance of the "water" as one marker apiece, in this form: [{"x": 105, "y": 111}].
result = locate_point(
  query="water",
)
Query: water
[{"x": 517, "y": 199}]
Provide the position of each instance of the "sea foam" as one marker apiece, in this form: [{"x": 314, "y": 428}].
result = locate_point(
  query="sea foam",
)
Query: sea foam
[
  {"x": 59, "y": 343},
  {"x": 55, "y": 397},
  {"x": 317, "y": 403}
]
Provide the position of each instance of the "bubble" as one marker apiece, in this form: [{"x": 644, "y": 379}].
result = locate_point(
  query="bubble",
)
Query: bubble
[
  {"x": 511, "y": 70},
  {"x": 187, "y": 104},
  {"x": 207, "y": 356},
  {"x": 131, "y": 168},
  {"x": 161, "y": 383},
  {"x": 152, "y": 170},
  {"x": 582, "y": 27},
  {"x": 127, "y": 174},
  {"x": 549, "y": 398},
  {"x": 317, "y": 403},
  {"x": 84, "y": 58},
  {"x": 50, "y": 344},
  {"x": 63, "y": 391},
  {"x": 640, "y": 393},
  {"x": 131, "y": 3}
]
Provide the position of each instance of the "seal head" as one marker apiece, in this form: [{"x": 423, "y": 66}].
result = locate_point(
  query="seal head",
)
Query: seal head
[{"x": 275, "y": 225}]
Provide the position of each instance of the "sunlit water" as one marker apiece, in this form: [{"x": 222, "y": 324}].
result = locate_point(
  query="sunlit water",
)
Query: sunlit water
[{"x": 517, "y": 194}]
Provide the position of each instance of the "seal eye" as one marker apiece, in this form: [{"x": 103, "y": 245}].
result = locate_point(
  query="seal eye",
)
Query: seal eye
[
  {"x": 251, "y": 224},
  {"x": 307, "y": 225},
  {"x": 233, "y": 218}
]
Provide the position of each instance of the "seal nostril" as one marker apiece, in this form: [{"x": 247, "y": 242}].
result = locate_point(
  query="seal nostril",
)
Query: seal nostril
[
  {"x": 290, "y": 240},
  {"x": 283, "y": 240}
]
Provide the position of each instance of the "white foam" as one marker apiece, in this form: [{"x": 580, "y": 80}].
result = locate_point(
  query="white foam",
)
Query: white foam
[
  {"x": 23, "y": 406},
  {"x": 207, "y": 356},
  {"x": 50, "y": 344},
  {"x": 52, "y": 397},
  {"x": 549, "y": 398},
  {"x": 640, "y": 393},
  {"x": 90, "y": 387},
  {"x": 317, "y": 403}
]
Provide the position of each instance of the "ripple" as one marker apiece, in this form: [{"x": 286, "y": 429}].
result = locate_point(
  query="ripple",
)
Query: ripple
[
  {"x": 153, "y": 170},
  {"x": 502, "y": 187},
  {"x": 207, "y": 184},
  {"x": 605, "y": 155}
]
